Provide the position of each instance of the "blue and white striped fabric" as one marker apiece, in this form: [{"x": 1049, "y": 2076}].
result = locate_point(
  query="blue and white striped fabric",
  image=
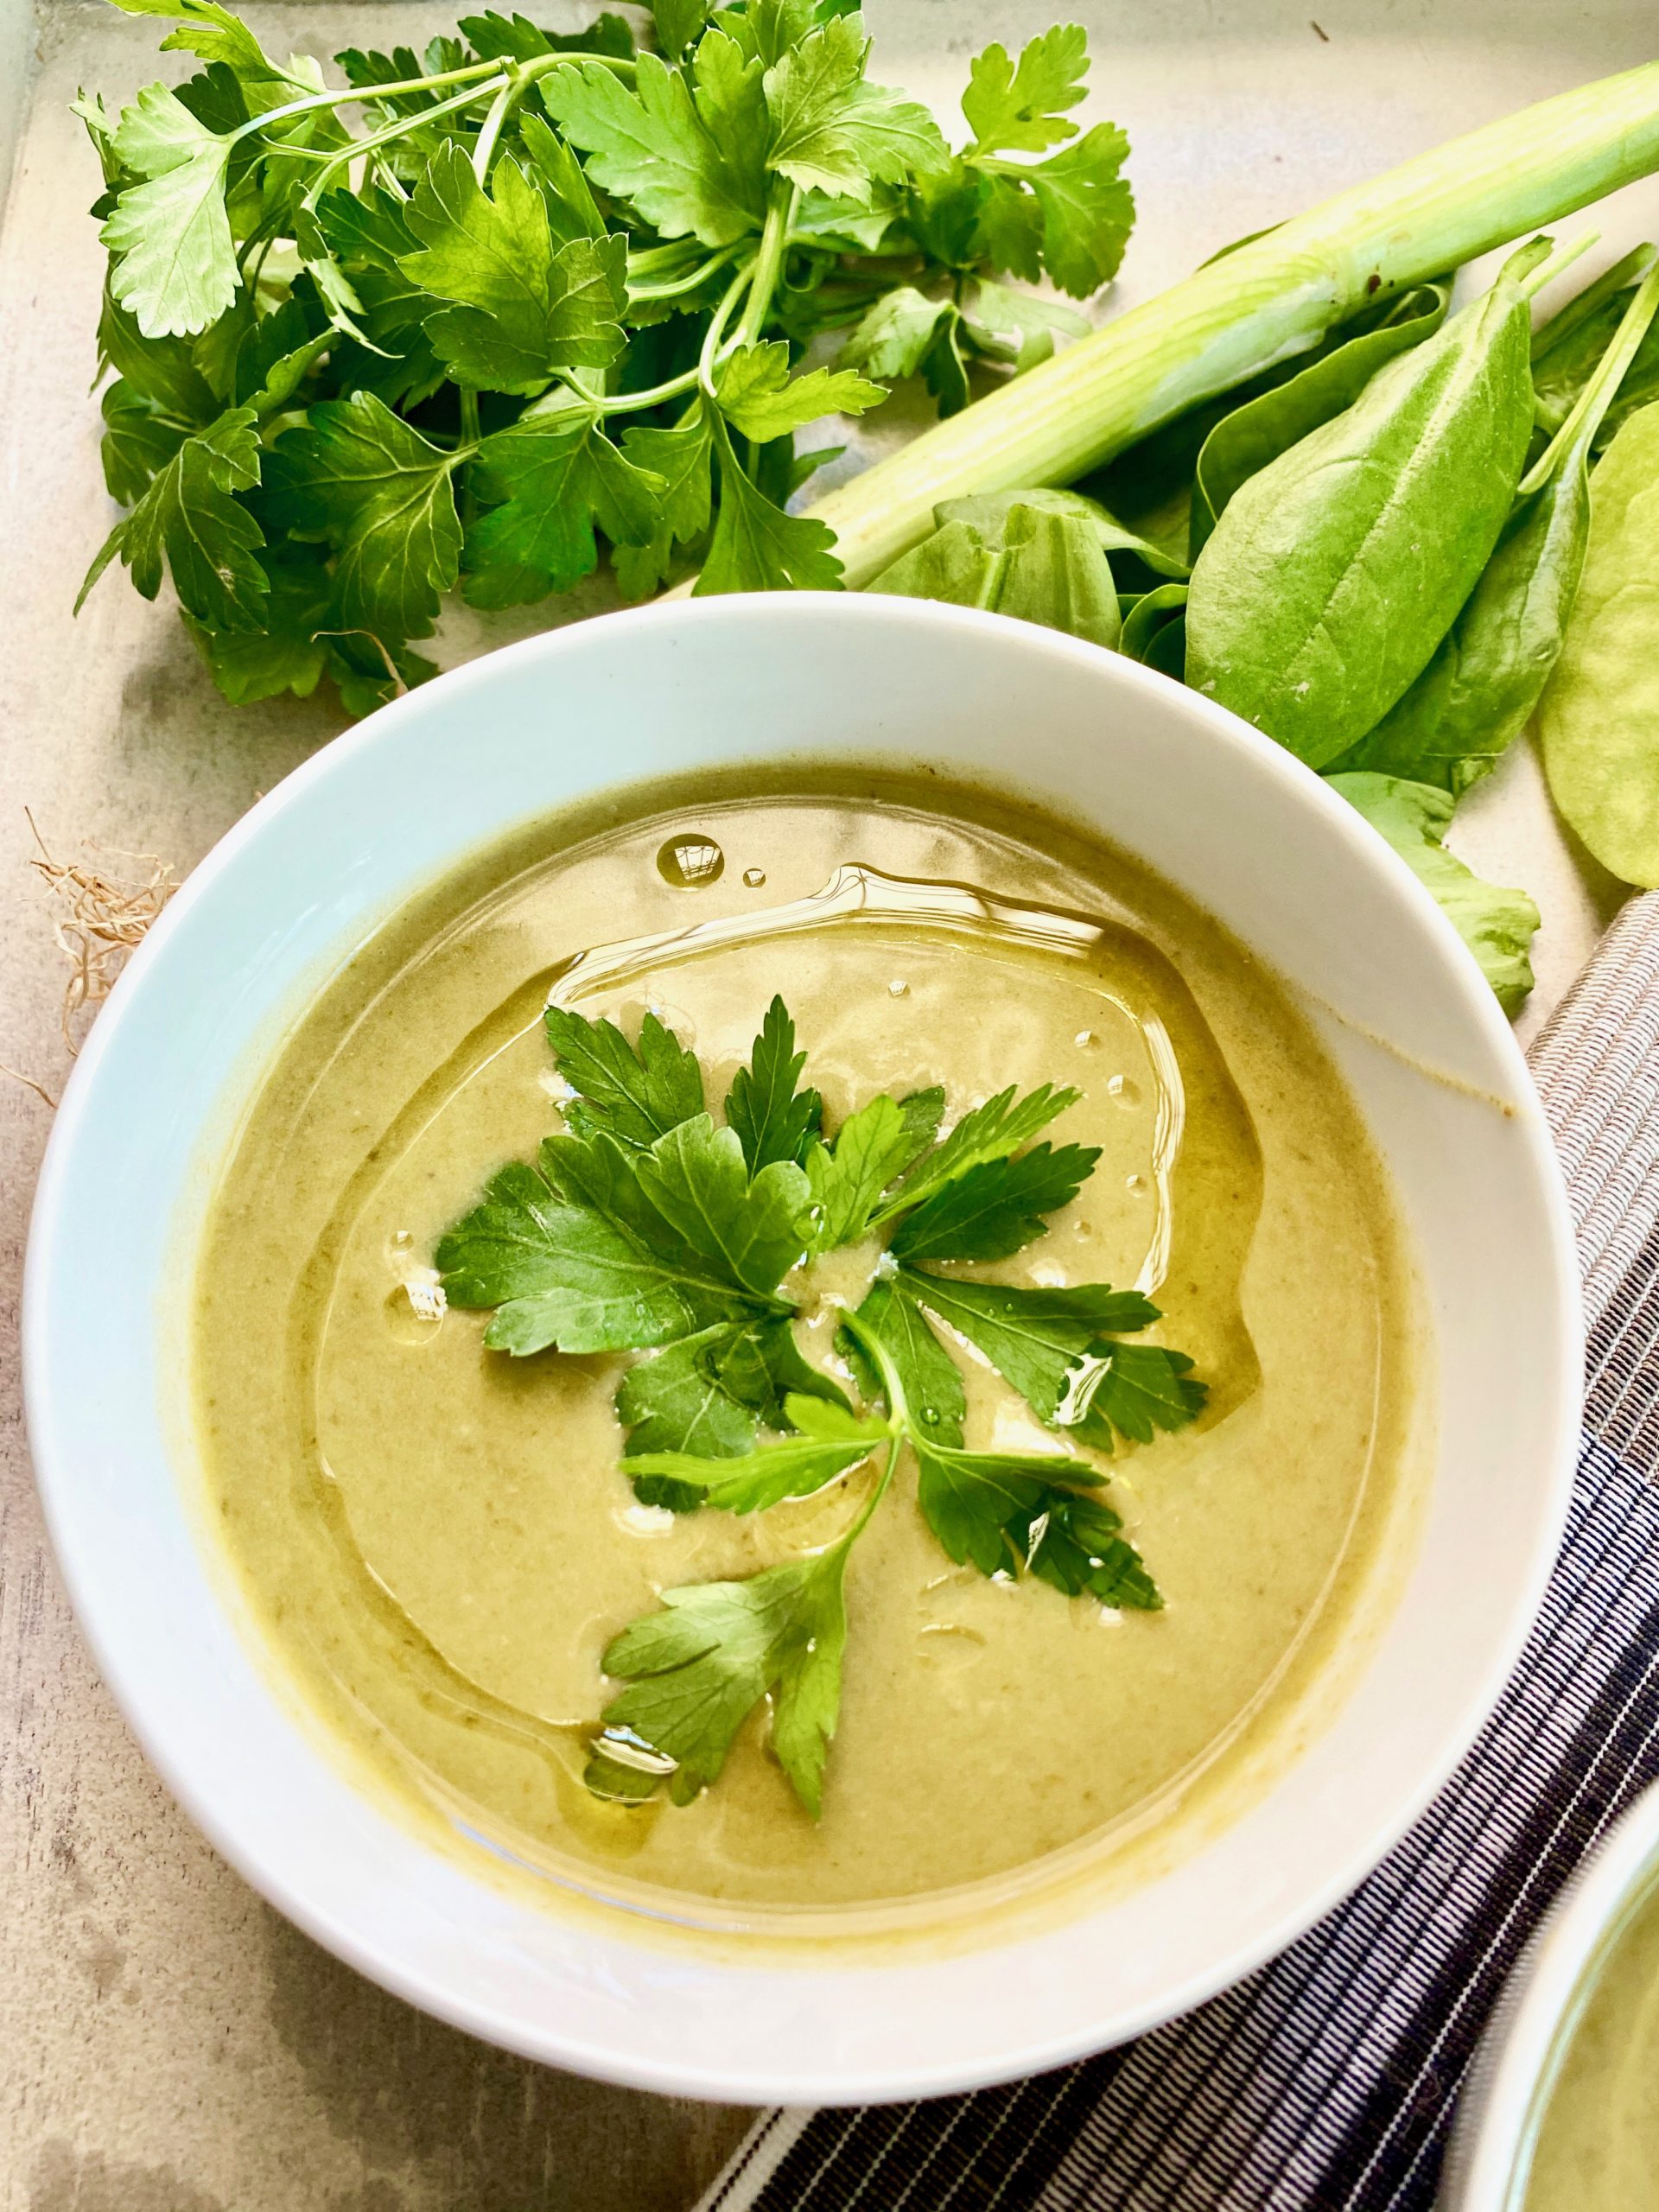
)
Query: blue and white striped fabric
[{"x": 1325, "y": 2083}]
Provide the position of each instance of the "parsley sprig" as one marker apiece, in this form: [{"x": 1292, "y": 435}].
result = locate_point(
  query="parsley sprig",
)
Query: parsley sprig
[
  {"x": 650, "y": 1227},
  {"x": 456, "y": 322}
]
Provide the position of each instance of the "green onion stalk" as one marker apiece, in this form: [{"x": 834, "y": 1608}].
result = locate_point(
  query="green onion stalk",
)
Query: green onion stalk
[{"x": 1271, "y": 298}]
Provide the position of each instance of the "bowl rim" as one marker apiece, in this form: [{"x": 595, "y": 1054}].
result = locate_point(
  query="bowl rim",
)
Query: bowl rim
[
  {"x": 1527, "y": 2039},
  {"x": 564, "y": 2043}
]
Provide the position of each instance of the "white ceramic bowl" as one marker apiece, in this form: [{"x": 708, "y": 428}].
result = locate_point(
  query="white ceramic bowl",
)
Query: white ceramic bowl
[
  {"x": 1526, "y": 2041},
  {"x": 1238, "y": 824}
]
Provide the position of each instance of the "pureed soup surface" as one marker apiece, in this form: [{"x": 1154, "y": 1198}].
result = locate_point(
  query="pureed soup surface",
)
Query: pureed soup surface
[
  {"x": 438, "y": 1538},
  {"x": 1598, "y": 2148}
]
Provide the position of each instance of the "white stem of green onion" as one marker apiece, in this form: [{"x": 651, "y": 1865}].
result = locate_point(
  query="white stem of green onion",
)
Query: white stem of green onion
[{"x": 1270, "y": 299}]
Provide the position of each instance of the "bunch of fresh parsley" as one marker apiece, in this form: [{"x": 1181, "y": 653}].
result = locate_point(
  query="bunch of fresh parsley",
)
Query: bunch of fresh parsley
[
  {"x": 650, "y": 1227},
  {"x": 550, "y": 288}
]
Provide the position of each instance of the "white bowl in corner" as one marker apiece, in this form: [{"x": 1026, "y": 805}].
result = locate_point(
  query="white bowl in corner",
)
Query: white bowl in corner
[
  {"x": 1231, "y": 819},
  {"x": 1526, "y": 2041}
]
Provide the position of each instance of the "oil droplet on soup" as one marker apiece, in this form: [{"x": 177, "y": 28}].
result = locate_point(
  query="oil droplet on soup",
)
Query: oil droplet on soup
[{"x": 690, "y": 862}]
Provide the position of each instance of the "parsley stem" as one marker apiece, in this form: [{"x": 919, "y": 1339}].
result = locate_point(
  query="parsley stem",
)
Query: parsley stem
[
  {"x": 899, "y": 1415},
  {"x": 469, "y": 436},
  {"x": 521, "y": 76},
  {"x": 654, "y": 258},
  {"x": 501, "y": 107},
  {"x": 876, "y": 1351},
  {"x": 769, "y": 261},
  {"x": 540, "y": 64},
  {"x": 879, "y": 1490},
  {"x": 252, "y": 274},
  {"x": 621, "y": 402},
  {"x": 700, "y": 275},
  {"x": 714, "y": 337},
  {"x": 401, "y": 129},
  {"x": 369, "y": 93}
]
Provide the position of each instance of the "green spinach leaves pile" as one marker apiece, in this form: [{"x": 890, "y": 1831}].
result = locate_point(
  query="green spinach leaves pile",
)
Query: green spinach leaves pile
[
  {"x": 650, "y": 1227},
  {"x": 1374, "y": 553},
  {"x": 458, "y": 319}
]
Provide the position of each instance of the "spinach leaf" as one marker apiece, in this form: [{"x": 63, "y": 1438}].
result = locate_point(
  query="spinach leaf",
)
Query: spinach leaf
[
  {"x": 1243, "y": 442},
  {"x": 988, "y": 513},
  {"x": 1599, "y": 717},
  {"x": 1167, "y": 649},
  {"x": 1153, "y": 612},
  {"x": 1498, "y": 926},
  {"x": 1042, "y": 566},
  {"x": 1567, "y": 351},
  {"x": 1151, "y": 485},
  {"x": 1478, "y": 691},
  {"x": 1335, "y": 571}
]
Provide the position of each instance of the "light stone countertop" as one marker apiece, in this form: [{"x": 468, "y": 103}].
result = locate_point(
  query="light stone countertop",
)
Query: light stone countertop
[{"x": 167, "y": 2043}]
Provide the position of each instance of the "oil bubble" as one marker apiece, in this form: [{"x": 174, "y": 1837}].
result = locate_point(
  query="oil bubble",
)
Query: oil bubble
[
  {"x": 754, "y": 878},
  {"x": 691, "y": 860},
  {"x": 416, "y": 1308},
  {"x": 898, "y": 990},
  {"x": 1125, "y": 1092}
]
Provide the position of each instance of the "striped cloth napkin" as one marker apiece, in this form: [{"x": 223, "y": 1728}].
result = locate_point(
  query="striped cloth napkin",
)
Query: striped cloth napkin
[{"x": 1325, "y": 2083}]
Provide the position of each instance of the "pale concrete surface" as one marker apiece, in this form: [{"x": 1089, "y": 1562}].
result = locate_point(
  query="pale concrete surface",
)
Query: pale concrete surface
[
  {"x": 167, "y": 2043},
  {"x": 16, "y": 80}
]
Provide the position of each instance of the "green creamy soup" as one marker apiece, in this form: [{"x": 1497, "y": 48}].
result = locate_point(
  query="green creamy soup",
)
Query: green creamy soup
[
  {"x": 439, "y": 1540},
  {"x": 1598, "y": 2148}
]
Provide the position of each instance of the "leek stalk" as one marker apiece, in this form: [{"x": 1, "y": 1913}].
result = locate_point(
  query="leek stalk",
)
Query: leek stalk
[{"x": 1259, "y": 304}]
